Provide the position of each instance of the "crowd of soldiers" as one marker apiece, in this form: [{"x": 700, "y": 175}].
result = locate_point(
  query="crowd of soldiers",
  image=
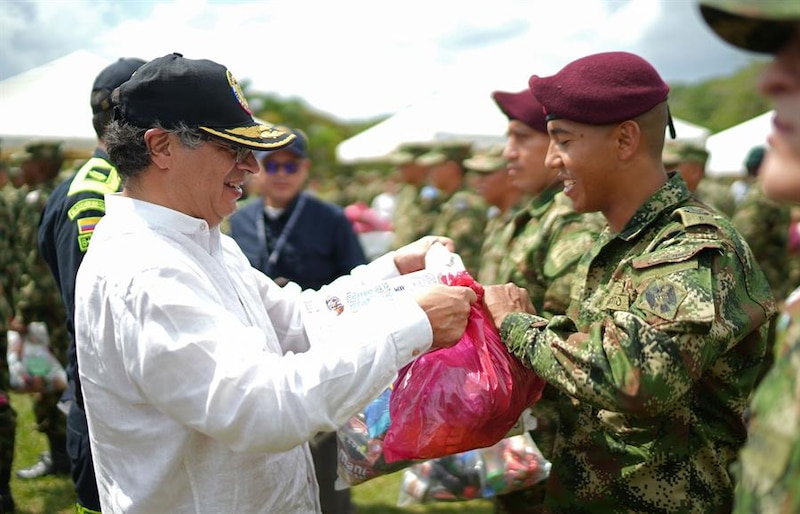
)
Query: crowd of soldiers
[
  {"x": 29, "y": 294},
  {"x": 451, "y": 188}
]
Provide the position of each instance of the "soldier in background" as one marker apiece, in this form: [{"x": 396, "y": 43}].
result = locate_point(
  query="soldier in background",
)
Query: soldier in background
[
  {"x": 411, "y": 177},
  {"x": 38, "y": 299},
  {"x": 9, "y": 274},
  {"x": 769, "y": 463},
  {"x": 491, "y": 181},
  {"x": 459, "y": 213},
  {"x": 764, "y": 224},
  {"x": 690, "y": 159},
  {"x": 545, "y": 240}
]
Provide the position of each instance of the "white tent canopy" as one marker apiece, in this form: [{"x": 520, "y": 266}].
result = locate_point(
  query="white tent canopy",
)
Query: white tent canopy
[
  {"x": 51, "y": 102},
  {"x": 463, "y": 115},
  {"x": 685, "y": 131},
  {"x": 729, "y": 148},
  {"x": 471, "y": 116}
]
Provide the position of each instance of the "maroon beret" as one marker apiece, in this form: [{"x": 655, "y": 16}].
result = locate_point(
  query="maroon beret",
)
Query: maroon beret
[
  {"x": 601, "y": 89},
  {"x": 522, "y": 106}
]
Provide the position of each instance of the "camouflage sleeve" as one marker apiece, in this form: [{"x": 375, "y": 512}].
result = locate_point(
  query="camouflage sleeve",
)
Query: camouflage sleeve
[
  {"x": 641, "y": 358},
  {"x": 769, "y": 463}
]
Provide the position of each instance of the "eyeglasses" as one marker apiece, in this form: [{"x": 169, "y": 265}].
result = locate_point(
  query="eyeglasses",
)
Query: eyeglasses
[
  {"x": 273, "y": 167},
  {"x": 240, "y": 153}
]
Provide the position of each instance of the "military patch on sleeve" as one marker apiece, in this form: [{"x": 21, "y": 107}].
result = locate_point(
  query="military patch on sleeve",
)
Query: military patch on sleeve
[{"x": 662, "y": 298}]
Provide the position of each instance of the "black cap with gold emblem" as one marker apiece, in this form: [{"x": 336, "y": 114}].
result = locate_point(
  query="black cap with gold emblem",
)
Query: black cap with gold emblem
[{"x": 200, "y": 94}]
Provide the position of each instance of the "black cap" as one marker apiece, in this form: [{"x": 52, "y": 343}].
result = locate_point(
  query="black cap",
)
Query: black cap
[
  {"x": 201, "y": 94},
  {"x": 111, "y": 78}
]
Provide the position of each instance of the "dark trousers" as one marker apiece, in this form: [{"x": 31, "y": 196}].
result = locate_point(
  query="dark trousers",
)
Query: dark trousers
[
  {"x": 324, "y": 450},
  {"x": 80, "y": 457}
]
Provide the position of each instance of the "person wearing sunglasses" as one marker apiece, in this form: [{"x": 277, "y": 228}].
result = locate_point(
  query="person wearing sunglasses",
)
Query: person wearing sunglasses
[{"x": 291, "y": 235}]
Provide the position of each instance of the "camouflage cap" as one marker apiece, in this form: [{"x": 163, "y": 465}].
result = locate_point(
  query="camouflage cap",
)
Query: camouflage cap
[
  {"x": 678, "y": 151},
  {"x": 406, "y": 153},
  {"x": 446, "y": 151},
  {"x": 759, "y": 25},
  {"x": 46, "y": 150},
  {"x": 487, "y": 160}
]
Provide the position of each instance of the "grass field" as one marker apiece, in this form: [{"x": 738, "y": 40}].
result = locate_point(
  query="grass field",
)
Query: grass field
[{"x": 54, "y": 495}]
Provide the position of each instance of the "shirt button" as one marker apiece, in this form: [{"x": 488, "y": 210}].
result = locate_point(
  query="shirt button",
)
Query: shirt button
[{"x": 415, "y": 352}]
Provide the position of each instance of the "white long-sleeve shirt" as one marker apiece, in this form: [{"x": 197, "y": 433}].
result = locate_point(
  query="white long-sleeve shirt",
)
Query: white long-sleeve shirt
[{"x": 200, "y": 385}]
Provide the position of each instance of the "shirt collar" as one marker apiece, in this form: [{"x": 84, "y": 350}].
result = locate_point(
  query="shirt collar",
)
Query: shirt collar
[{"x": 163, "y": 219}]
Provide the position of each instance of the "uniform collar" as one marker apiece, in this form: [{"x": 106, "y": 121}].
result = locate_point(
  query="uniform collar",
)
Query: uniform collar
[{"x": 672, "y": 193}]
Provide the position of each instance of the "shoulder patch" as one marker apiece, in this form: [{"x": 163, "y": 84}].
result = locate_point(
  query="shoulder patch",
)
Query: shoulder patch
[
  {"x": 694, "y": 216},
  {"x": 662, "y": 298},
  {"x": 88, "y": 204},
  {"x": 96, "y": 176}
]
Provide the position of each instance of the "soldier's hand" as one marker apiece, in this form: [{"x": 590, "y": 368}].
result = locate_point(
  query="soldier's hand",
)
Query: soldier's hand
[
  {"x": 447, "y": 308},
  {"x": 502, "y": 300},
  {"x": 411, "y": 257}
]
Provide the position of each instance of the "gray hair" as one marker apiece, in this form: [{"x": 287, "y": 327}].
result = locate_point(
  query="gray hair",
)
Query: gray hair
[{"x": 128, "y": 150}]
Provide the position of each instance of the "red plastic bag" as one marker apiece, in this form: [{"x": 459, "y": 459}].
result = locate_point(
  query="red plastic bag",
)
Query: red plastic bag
[{"x": 459, "y": 398}]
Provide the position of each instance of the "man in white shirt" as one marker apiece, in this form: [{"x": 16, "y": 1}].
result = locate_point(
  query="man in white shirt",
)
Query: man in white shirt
[{"x": 201, "y": 386}]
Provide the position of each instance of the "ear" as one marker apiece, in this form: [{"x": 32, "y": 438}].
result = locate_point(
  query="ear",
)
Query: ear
[
  {"x": 158, "y": 143},
  {"x": 628, "y": 137}
]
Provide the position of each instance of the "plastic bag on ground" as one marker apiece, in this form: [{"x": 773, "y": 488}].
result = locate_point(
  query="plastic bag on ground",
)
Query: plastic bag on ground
[{"x": 513, "y": 464}]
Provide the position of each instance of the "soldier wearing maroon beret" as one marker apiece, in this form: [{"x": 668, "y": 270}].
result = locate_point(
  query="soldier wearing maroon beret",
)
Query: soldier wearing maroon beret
[
  {"x": 660, "y": 346},
  {"x": 539, "y": 250}
]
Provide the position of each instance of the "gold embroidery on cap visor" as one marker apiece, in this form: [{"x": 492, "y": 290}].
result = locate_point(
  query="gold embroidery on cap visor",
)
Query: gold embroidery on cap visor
[{"x": 255, "y": 137}]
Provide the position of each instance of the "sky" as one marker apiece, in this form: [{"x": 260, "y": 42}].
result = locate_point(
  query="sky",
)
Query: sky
[{"x": 358, "y": 59}]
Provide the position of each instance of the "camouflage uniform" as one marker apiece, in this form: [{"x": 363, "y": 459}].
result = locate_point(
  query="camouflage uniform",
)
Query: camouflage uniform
[
  {"x": 548, "y": 239},
  {"x": 408, "y": 212},
  {"x": 462, "y": 218},
  {"x": 496, "y": 240},
  {"x": 764, "y": 224},
  {"x": 658, "y": 354},
  {"x": 39, "y": 300},
  {"x": 769, "y": 463},
  {"x": 414, "y": 211},
  {"x": 8, "y": 276}
]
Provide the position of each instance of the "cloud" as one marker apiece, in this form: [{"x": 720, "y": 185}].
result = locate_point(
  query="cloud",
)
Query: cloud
[{"x": 361, "y": 58}]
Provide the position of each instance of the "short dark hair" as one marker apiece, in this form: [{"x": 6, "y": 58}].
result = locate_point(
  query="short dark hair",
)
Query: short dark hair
[{"x": 128, "y": 151}]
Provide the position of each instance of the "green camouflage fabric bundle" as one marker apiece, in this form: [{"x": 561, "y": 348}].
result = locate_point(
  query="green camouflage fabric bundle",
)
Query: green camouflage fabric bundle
[{"x": 658, "y": 354}]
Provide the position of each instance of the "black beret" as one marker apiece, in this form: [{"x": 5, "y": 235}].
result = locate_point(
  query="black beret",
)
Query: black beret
[
  {"x": 601, "y": 89},
  {"x": 522, "y": 106}
]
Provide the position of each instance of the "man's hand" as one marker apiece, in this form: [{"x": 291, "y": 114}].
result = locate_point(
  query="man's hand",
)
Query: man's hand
[
  {"x": 411, "y": 257},
  {"x": 447, "y": 308},
  {"x": 502, "y": 300}
]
